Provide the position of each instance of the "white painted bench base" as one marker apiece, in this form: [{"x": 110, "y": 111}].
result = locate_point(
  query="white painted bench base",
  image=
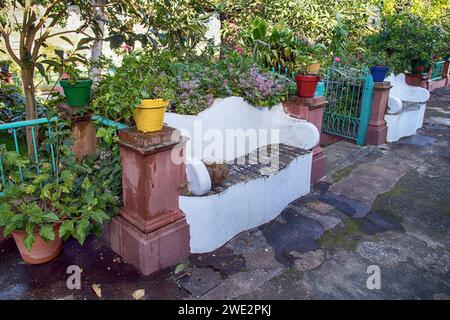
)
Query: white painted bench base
[
  {"x": 402, "y": 121},
  {"x": 404, "y": 124},
  {"x": 216, "y": 219}
]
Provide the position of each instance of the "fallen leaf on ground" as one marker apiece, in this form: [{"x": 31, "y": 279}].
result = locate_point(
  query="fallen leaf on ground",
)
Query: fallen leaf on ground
[
  {"x": 97, "y": 290},
  {"x": 138, "y": 294},
  {"x": 180, "y": 268}
]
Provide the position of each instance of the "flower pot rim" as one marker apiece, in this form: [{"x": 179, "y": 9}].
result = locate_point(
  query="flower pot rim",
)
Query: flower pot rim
[
  {"x": 80, "y": 83},
  {"x": 310, "y": 77},
  {"x": 153, "y": 103}
]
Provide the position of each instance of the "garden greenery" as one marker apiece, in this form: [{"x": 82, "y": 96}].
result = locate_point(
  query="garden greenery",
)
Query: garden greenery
[
  {"x": 76, "y": 196},
  {"x": 190, "y": 85},
  {"x": 407, "y": 39}
]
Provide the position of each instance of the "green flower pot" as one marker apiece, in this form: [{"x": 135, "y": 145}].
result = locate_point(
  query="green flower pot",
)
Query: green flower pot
[{"x": 77, "y": 94}]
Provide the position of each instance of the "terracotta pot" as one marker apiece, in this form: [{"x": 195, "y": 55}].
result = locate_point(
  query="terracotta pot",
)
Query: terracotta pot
[
  {"x": 417, "y": 80},
  {"x": 42, "y": 251},
  {"x": 306, "y": 85}
]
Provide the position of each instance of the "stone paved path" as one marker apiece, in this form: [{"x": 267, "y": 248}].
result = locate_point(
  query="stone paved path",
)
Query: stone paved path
[{"x": 387, "y": 206}]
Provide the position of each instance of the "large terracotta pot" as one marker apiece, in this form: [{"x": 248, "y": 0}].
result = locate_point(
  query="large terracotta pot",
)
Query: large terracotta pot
[
  {"x": 42, "y": 251},
  {"x": 417, "y": 80}
]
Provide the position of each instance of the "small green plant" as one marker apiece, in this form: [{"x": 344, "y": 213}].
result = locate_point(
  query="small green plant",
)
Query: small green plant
[
  {"x": 371, "y": 59},
  {"x": 142, "y": 75},
  {"x": 302, "y": 62},
  {"x": 67, "y": 64}
]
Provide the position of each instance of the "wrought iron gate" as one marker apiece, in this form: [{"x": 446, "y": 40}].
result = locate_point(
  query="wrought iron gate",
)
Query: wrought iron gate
[{"x": 349, "y": 94}]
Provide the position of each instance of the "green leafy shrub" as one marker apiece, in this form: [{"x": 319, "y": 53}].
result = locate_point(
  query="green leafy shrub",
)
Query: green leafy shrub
[
  {"x": 74, "y": 195},
  {"x": 405, "y": 39},
  {"x": 190, "y": 85},
  {"x": 141, "y": 76}
]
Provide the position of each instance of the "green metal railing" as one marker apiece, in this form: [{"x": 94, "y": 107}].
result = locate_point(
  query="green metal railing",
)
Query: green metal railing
[
  {"x": 436, "y": 70},
  {"x": 13, "y": 128},
  {"x": 349, "y": 93}
]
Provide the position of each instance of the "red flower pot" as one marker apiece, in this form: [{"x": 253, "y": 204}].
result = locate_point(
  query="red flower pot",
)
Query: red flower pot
[{"x": 306, "y": 85}]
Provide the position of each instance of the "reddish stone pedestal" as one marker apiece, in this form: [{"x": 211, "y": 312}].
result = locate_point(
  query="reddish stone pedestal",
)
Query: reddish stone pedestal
[
  {"x": 311, "y": 110},
  {"x": 377, "y": 129},
  {"x": 83, "y": 131},
  {"x": 445, "y": 69},
  {"x": 151, "y": 231}
]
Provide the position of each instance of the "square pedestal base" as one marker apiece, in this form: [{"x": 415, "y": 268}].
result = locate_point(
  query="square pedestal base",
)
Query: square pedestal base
[
  {"x": 376, "y": 135},
  {"x": 319, "y": 165},
  {"x": 150, "y": 252}
]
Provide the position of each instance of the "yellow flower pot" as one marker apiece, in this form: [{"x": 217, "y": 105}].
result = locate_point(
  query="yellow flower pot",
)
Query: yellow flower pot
[
  {"x": 149, "y": 115},
  {"x": 313, "y": 68}
]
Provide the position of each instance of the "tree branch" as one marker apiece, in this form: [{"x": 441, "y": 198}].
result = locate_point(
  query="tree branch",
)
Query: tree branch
[
  {"x": 38, "y": 43},
  {"x": 8, "y": 46}
]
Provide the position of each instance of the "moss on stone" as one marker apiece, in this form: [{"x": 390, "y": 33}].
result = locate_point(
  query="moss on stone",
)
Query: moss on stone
[
  {"x": 346, "y": 236},
  {"x": 341, "y": 174}
]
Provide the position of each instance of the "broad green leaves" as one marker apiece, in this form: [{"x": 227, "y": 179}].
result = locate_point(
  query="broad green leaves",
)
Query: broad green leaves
[{"x": 47, "y": 232}]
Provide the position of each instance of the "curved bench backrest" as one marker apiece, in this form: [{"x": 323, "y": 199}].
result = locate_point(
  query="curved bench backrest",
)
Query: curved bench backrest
[
  {"x": 231, "y": 128},
  {"x": 403, "y": 91}
]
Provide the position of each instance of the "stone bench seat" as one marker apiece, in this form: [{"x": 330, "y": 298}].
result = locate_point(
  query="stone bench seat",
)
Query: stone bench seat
[
  {"x": 269, "y": 167},
  {"x": 406, "y": 108},
  {"x": 245, "y": 168}
]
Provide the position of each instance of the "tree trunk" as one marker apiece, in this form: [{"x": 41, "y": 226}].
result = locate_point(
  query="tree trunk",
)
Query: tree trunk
[
  {"x": 97, "y": 46},
  {"x": 30, "y": 106}
]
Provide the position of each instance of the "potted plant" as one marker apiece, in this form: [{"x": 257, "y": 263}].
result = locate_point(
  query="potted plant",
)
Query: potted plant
[
  {"x": 317, "y": 53},
  {"x": 410, "y": 43},
  {"x": 139, "y": 89},
  {"x": 377, "y": 63},
  {"x": 76, "y": 88},
  {"x": 44, "y": 208},
  {"x": 306, "y": 83}
]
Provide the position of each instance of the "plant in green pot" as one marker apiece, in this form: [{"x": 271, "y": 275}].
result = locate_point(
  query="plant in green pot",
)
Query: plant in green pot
[
  {"x": 43, "y": 208},
  {"x": 77, "y": 88},
  {"x": 139, "y": 89}
]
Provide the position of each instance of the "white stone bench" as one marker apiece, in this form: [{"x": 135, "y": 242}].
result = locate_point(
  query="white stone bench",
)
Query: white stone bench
[
  {"x": 406, "y": 108},
  {"x": 249, "y": 197}
]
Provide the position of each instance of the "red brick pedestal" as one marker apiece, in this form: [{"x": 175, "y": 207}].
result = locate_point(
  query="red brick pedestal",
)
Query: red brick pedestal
[
  {"x": 377, "y": 129},
  {"x": 151, "y": 231},
  {"x": 311, "y": 110},
  {"x": 445, "y": 70},
  {"x": 83, "y": 131}
]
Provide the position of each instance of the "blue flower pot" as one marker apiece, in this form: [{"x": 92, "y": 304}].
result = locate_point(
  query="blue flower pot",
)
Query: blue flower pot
[{"x": 378, "y": 73}]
